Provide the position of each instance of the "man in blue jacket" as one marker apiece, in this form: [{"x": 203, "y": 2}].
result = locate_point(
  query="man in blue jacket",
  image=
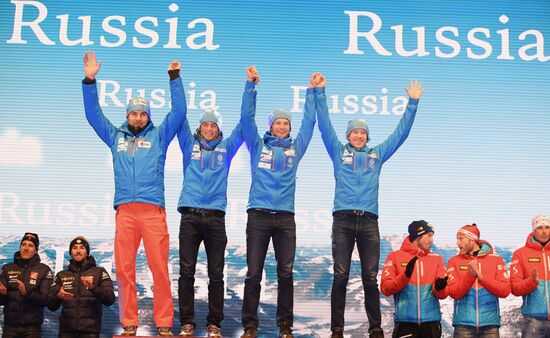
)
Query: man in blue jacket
[
  {"x": 139, "y": 153},
  {"x": 274, "y": 160},
  {"x": 206, "y": 160},
  {"x": 355, "y": 215}
]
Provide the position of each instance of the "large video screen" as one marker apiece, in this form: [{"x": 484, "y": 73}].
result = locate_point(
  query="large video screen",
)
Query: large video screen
[{"x": 477, "y": 153}]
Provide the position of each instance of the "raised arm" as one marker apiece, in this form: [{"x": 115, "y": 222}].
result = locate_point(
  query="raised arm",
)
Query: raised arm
[
  {"x": 330, "y": 139},
  {"x": 400, "y": 134},
  {"x": 248, "y": 108},
  {"x": 173, "y": 120},
  {"x": 234, "y": 141},
  {"x": 102, "y": 126},
  {"x": 308, "y": 121}
]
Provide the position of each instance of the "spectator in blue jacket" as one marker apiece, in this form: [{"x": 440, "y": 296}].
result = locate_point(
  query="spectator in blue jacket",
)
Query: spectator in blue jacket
[
  {"x": 206, "y": 161},
  {"x": 357, "y": 170},
  {"x": 274, "y": 161},
  {"x": 139, "y": 153}
]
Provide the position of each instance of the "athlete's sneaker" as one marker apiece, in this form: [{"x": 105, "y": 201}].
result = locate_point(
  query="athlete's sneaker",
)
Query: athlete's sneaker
[
  {"x": 213, "y": 331},
  {"x": 249, "y": 332},
  {"x": 130, "y": 330},
  {"x": 285, "y": 331},
  {"x": 187, "y": 330},
  {"x": 165, "y": 331}
]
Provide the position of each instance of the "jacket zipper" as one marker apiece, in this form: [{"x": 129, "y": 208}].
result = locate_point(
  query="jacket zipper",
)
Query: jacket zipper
[
  {"x": 546, "y": 281},
  {"x": 418, "y": 288}
]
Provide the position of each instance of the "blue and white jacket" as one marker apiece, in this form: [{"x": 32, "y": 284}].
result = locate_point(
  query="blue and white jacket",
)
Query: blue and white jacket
[
  {"x": 357, "y": 171},
  {"x": 138, "y": 160},
  {"x": 205, "y": 171},
  {"x": 274, "y": 167}
]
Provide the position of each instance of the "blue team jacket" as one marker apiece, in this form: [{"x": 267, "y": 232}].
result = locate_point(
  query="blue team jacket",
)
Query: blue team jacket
[
  {"x": 357, "y": 171},
  {"x": 138, "y": 161},
  {"x": 274, "y": 168}
]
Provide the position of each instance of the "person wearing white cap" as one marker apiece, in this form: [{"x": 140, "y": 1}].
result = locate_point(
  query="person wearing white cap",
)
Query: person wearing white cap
[
  {"x": 274, "y": 159},
  {"x": 530, "y": 278},
  {"x": 207, "y": 157},
  {"x": 357, "y": 169},
  {"x": 139, "y": 148}
]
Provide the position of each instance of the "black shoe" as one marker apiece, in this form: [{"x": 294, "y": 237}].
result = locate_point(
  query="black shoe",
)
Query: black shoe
[
  {"x": 249, "y": 332},
  {"x": 285, "y": 331}
]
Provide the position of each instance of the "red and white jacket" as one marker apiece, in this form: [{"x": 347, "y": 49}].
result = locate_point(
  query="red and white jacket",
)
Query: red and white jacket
[
  {"x": 535, "y": 295},
  {"x": 416, "y": 299},
  {"x": 476, "y": 302}
]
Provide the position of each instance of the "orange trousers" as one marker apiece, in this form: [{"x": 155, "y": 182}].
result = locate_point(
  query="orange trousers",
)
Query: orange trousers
[{"x": 135, "y": 221}]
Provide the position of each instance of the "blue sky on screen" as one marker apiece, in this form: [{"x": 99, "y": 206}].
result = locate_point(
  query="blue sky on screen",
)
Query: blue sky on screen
[{"x": 478, "y": 151}]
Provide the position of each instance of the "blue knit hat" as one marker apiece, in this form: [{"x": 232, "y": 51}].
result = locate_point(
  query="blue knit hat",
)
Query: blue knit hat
[
  {"x": 210, "y": 115},
  {"x": 358, "y": 124},
  {"x": 138, "y": 104},
  {"x": 419, "y": 228},
  {"x": 279, "y": 114}
]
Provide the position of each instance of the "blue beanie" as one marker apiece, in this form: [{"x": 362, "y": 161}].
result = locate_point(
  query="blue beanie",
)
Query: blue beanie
[
  {"x": 358, "y": 124},
  {"x": 419, "y": 228},
  {"x": 210, "y": 115},
  {"x": 279, "y": 114},
  {"x": 138, "y": 104}
]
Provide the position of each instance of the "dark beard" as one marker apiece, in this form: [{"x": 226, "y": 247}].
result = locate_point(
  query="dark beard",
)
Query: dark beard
[{"x": 136, "y": 130}]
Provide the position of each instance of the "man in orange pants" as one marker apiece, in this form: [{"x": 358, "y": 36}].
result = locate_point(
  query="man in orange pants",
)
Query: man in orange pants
[{"x": 139, "y": 152}]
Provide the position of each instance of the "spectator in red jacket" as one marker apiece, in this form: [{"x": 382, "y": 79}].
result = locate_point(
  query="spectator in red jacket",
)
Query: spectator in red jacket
[
  {"x": 477, "y": 278},
  {"x": 530, "y": 276},
  {"x": 416, "y": 279}
]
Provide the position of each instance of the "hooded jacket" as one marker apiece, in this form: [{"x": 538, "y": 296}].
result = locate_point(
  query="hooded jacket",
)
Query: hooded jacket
[
  {"x": 83, "y": 313},
  {"x": 205, "y": 171},
  {"x": 357, "y": 171},
  {"x": 476, "y": 302},
  {"x": 416, "y": 299},
  {"x": 274, "y": 167},
  {"x": 25, "y": 310},
  {"x": 138, "y": 160},
  {"x": 535, "y": 295}
]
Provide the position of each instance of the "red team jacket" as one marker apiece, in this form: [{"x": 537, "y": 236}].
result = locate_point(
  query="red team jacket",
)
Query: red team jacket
[
  {"x": 535, "y": 296},
  {"x": 476, "y": 302},
  {"x": 415, "y": 298}
]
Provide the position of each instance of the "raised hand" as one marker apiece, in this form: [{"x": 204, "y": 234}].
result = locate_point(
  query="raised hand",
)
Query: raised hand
[
  {"x": 252, "y": 74},
  {"x": 174, "y": 65},
  {"x": 416, "y": 90},
  {"x": 91, "y": 66},
  {"x": 317, "y": 80}
]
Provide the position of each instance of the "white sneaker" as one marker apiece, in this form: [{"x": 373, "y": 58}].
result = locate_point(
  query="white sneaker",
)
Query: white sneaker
[
  {"x": 187, "y": 330},
  {"x": 213, "y": 331}
]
